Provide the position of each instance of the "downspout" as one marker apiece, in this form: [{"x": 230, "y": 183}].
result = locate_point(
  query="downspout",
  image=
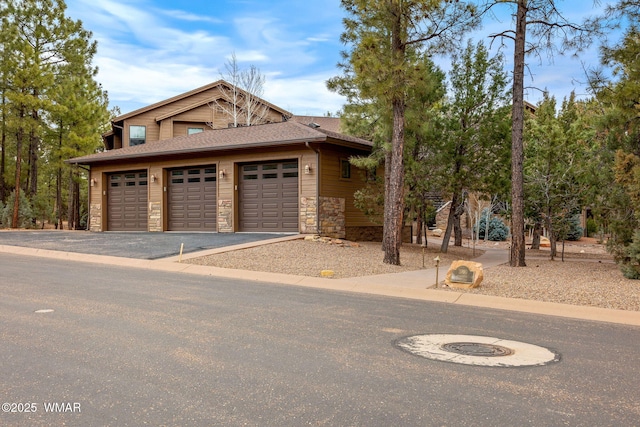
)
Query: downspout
[
  {"x": 317, "y": 151},
  {"x": 88, "y": 196}
]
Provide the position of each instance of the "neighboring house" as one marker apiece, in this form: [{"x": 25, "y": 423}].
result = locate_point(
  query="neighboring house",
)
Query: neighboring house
[{"x": 284, "y": 176}]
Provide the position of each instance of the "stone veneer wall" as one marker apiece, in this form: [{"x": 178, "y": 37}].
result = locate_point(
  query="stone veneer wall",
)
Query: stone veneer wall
[
  {"x": 155, "y": 216},
  {"x": 332, "y": 217},
  {"x": 225, "y": 216},
  {"x": 308, "y": 215},
  {"x": 442, "y": 217},
  {"x": 95, "y": 217}
]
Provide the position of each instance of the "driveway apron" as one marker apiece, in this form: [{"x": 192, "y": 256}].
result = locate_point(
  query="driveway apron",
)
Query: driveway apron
[{"x": 138, "y": 245}]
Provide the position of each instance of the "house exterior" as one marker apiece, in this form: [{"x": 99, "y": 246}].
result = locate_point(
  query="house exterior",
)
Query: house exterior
[
  {"x": 191, "y": 112},
  {"x": 281, "y": 176}
]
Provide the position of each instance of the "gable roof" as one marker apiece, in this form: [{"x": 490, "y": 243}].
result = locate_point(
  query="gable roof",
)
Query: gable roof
[
  {"x": 186, "y": 95},
  {"x": 267, "y": 135}
]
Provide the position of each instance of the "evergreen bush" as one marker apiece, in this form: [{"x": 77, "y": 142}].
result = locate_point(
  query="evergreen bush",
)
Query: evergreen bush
[
  {"x": 25, "y": 214},
  {"x": 575, "y": 231},
  {"x": 498, "y": 231},
  {"x": 630, "y": 265}
]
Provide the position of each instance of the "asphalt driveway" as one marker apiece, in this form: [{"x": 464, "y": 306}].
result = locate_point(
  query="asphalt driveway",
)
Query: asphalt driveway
[{"x": 130, "y": 244}]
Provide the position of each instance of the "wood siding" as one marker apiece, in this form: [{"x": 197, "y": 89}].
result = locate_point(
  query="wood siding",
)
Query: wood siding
[
  {"x": 226, "y": 187},
  {"x": 198, "y": 116},
  {"x": 332, "y": 185}
]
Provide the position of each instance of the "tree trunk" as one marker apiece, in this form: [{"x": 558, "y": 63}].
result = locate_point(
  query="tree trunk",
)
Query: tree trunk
[
  {"x": 537, "y": 231},
  {"x": 16, "y": 204},
  {"x": 419, "y": 225},
  {"x": 3, "y": 150},
  {"x": 394, "y": 206},
  {"x": 457, "y": 227},
  {"x": 70, "y": 201},
  {"x": 554, "y": 244},
  {"x": 34, "y": 144},
  {"x": 394, "y": 197},
  {"x": 450, "y": 220},
  {"x": 517, "y": 256},
  {"x": 59, "y": 223}
]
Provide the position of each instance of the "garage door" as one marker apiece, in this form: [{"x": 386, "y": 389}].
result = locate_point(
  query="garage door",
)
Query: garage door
[
  {"x": 269, "y": 196},
  {"x": 192, "y": 199},
  {"x": 127, "y": 201}
]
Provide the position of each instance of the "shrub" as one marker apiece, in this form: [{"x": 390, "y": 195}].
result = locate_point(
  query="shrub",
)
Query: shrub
[
  {"x": 630, "y": 264},
  {"x": 592, "y": 227},
  {"x": 498, "y": 231},
  {"x": 25, "y": 214},
  {"x": 575, "y": 231}
]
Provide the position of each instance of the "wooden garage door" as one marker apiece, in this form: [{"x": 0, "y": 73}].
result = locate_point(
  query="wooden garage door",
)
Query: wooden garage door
[
  {"x": 192, "y": 199},
  {"x": 269, "y": 196},
  {"x": 127, "y": 201}
]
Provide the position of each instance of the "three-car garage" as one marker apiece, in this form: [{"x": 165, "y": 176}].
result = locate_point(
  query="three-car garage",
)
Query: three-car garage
[{"x": 267, "y": 198}]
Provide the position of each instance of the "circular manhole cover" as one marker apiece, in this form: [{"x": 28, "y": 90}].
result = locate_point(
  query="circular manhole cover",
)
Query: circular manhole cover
[{"x": 477, "y": 350}]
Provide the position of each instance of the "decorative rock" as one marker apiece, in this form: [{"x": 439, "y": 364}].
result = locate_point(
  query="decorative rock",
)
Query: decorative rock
[
  {"x": 545, "y": 242},
  {"x": 464, "y": 274},
  {"x": 437, "y": 232},
  {"x": 311, "y": 237},
  {"x": 327, "y": 273}
]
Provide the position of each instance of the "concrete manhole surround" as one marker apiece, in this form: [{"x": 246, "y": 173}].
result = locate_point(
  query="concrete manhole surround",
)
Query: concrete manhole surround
[{"x": 477, "y": 350}]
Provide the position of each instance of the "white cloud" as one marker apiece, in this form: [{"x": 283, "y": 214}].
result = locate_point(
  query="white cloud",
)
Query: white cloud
[
  {"x": 305, "y": 96},
  {"x": 147, "y": 54},
  {"x": 186, "y": 16}
]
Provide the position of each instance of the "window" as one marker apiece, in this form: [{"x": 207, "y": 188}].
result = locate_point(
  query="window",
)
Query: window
[
  {"x": 137, "y": 135},
  {"x": 345, "y": 169},
  {"x": 191, "y": 131}
]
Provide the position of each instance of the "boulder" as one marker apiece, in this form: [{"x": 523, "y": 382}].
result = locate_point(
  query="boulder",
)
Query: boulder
[
  {"x": 437, "y": 232},
  {"x": 545, "y": 242},
  {"x": 464, "y": 274}
]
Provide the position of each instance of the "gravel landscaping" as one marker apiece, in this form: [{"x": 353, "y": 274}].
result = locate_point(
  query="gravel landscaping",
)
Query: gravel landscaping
[{"x": 588, "y": 275}]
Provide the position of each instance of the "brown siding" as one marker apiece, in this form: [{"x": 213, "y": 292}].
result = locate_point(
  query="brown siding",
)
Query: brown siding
[
  {"x": 226, "y": 186},
  {"x": 197, "y": 116},
  {"x": 180, "y": 128},
  {"x": 332, "y": 185}
]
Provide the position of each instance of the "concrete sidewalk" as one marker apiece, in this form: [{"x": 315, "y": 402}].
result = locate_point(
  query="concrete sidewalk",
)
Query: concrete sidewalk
[{"x": 412, "y": 284}]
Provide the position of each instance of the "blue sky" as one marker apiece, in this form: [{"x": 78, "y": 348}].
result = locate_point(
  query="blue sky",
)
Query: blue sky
[{"x": 150, "y": 50}]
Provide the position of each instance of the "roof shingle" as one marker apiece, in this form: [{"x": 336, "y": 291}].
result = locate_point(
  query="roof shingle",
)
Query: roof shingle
[{"x": 272, "y": 134}]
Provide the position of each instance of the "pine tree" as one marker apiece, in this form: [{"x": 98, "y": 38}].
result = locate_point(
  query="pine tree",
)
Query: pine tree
[
  {"x": 39, "y": 42},
  {"x": 385, "y": 37},
  {"x": 473, "y": 151}
]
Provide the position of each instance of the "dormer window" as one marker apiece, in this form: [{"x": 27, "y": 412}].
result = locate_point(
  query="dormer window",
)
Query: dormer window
[{"x": 137, "y": 135}]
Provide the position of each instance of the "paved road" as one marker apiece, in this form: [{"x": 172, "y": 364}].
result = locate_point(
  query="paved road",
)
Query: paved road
[
  {"x": 128, "y": 245},
  {"x": 132, "y": 347}
]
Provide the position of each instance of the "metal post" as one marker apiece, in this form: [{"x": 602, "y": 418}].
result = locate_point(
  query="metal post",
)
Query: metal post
[{"x": 437, "y": 260}]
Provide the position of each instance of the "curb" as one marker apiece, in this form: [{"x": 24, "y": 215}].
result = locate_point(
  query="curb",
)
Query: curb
[{"x": 622, "y": 317}]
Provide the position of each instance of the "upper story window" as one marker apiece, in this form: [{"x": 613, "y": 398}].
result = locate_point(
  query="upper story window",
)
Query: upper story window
[
  {"x": 137, "y": 135},
  {"x": 345, "y": 169},
  {"x": 191, "y": 131}
]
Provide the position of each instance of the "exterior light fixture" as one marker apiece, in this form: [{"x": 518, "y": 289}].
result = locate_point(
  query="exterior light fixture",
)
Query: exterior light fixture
[
  {"x": 93, "y": 182},
  {"x": 307, "y": 169},
  {"x": 153, "y": 178},
  {"x": 222, "y": 173}
]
